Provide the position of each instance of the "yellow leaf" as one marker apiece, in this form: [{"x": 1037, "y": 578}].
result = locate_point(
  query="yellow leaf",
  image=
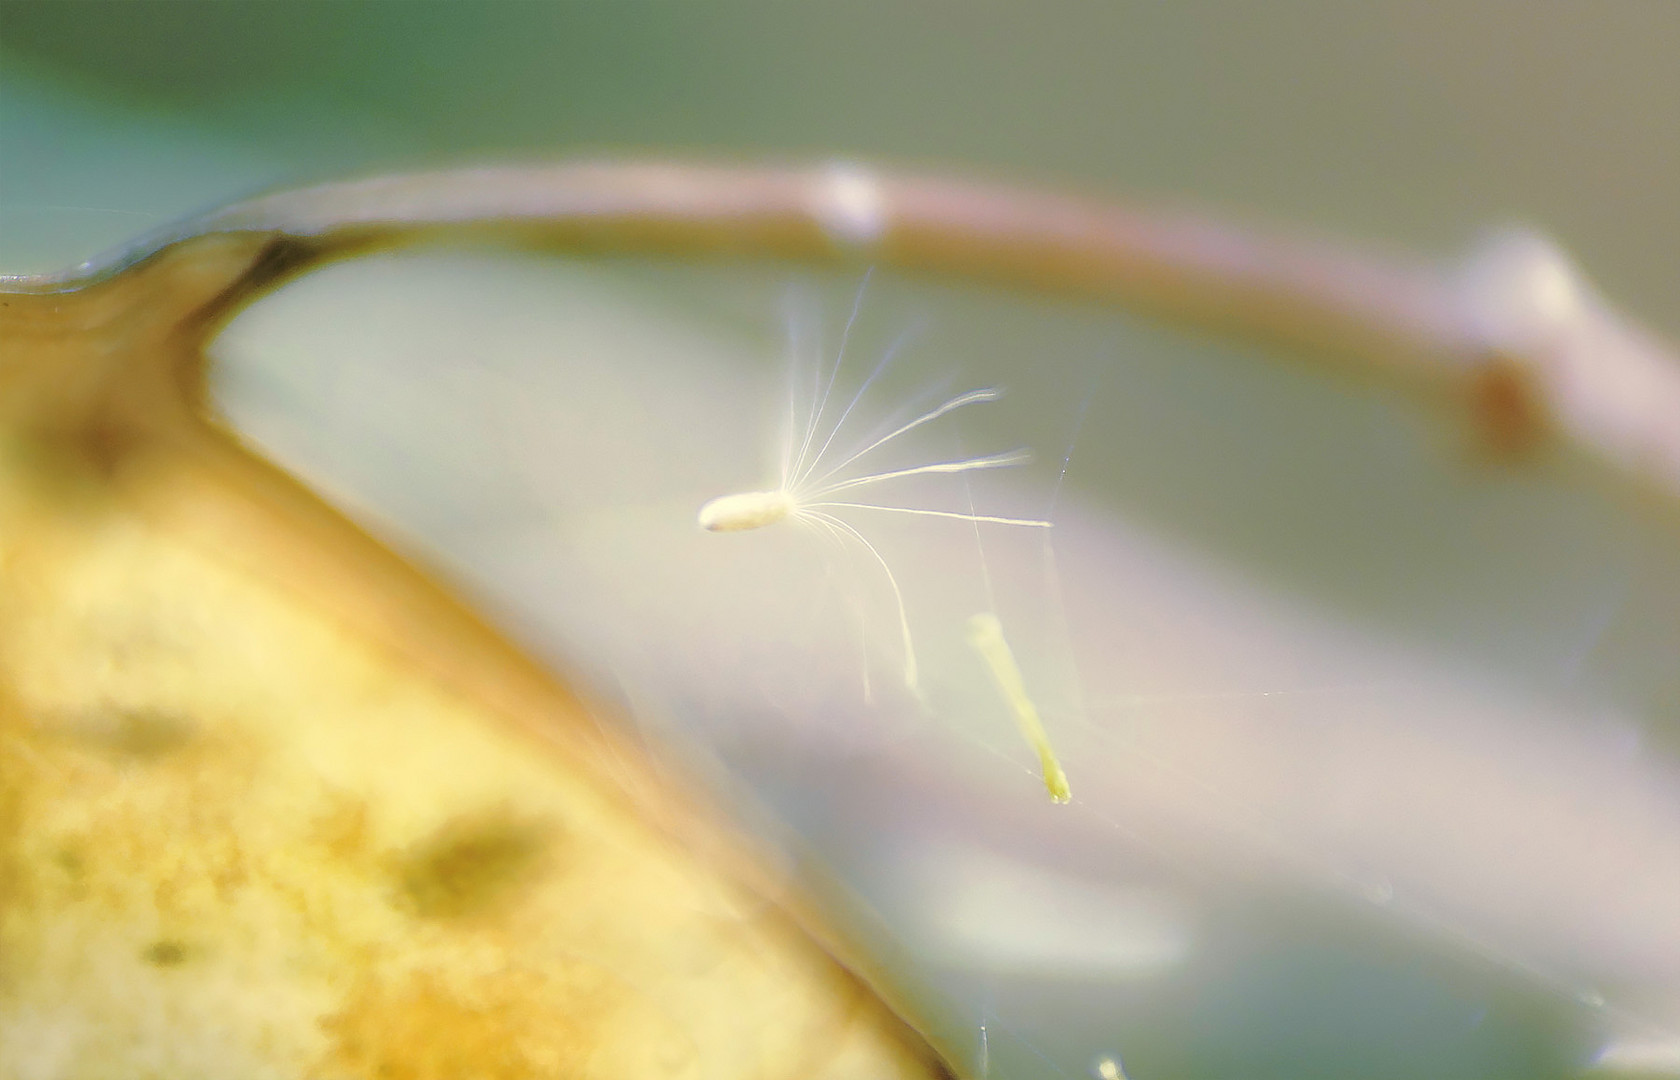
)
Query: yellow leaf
[{"x": 274, "y": 804}]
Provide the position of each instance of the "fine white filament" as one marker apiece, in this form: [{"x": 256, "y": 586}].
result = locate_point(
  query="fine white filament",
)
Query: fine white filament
[{"x": 812, "y": 489}]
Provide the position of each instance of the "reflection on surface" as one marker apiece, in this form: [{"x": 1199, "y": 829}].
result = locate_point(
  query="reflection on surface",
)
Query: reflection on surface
[{"x": 1372, "y": 746}]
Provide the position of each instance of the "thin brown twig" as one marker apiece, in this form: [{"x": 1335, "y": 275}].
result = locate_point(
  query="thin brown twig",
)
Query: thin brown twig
[{"x": 1513, "y": 334}]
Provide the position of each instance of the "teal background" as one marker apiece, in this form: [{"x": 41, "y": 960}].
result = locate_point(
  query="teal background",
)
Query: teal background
[{"x": 1407, "y": 123}]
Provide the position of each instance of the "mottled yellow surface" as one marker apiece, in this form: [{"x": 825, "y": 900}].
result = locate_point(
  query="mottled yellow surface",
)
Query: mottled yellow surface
[{"x": 260, "y": 818}]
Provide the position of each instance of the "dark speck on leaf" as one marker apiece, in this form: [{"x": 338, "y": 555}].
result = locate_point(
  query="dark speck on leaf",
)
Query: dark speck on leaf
[
  {"x": 473, "y": 864},
  {"x": 165, "y": 953}
]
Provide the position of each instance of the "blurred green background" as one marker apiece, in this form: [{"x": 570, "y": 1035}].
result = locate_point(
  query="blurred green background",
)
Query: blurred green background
[{"x": 1408, "y": 123}]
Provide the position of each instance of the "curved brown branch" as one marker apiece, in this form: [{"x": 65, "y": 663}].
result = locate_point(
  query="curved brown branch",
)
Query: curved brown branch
[{"x": 1513, "y": 335}]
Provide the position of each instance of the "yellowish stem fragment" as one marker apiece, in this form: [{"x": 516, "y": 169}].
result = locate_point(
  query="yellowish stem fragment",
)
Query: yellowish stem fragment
[{"x": 985, "y": 634}]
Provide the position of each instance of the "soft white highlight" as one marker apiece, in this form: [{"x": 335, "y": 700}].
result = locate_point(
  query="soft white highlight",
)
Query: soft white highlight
[{"x": 850, "y": 205}]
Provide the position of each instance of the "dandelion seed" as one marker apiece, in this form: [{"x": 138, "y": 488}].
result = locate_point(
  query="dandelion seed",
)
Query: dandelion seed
[
  {"x": 985, "y": 635},
  {"x": 818, "y": 493}
]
